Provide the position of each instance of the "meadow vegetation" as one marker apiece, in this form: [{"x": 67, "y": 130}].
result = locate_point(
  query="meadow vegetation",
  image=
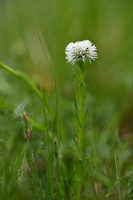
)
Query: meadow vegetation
[{"x": 40, "y": 97}]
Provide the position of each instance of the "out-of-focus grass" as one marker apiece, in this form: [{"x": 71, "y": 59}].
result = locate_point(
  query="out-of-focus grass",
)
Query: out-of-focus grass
[{"x": 33, "y": 36}]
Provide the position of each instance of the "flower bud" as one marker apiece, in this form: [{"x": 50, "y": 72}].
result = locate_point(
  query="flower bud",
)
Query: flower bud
[
  {"x": 25, "y": 136},
  {"x": 24, "y": 116},
  {"x": 30, "y": 134},
  {"x": 54, "y": 143}
]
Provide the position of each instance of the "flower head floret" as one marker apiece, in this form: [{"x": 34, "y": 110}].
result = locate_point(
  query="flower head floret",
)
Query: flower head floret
[{"x": 80, "y": 51}]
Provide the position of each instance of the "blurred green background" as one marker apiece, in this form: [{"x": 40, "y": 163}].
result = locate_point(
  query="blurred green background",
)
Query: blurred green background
[
  {"x": 34, "y": 34},
  {"x": 33, "y": 37}
]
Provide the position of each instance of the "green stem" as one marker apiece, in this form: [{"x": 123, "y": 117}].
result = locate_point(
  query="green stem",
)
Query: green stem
[
  {"x": 80, "y": 99},
  {"x": 49, "y": 157},
  {"x": 21, "y": 76},
  {"x": 27, "y": 80}
]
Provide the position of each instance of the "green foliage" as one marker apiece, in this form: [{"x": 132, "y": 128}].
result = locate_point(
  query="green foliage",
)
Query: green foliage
[{"x": 47, "y": 164}]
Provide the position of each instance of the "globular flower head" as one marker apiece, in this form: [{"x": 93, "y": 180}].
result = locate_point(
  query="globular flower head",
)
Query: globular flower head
[{"x": 80, "y": 51}]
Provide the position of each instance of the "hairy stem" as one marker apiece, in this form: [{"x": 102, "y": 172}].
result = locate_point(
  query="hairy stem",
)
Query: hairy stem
[{"x": 80, "y": 99}]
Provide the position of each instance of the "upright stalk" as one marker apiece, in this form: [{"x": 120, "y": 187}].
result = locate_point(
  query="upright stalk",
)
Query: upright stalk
[
  {"x": 79, "y": 52},
  {"x": 49, "y": 190},
  {"x": 80, "y": 121}
]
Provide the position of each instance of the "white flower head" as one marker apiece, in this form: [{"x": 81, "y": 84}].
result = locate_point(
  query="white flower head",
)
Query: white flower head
[{"x": 80, "y": 51}]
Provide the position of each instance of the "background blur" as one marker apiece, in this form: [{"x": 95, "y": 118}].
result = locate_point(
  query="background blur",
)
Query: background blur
[
  {"x": 34, "y": 34},
  {"x": 33, "y": 37}
]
